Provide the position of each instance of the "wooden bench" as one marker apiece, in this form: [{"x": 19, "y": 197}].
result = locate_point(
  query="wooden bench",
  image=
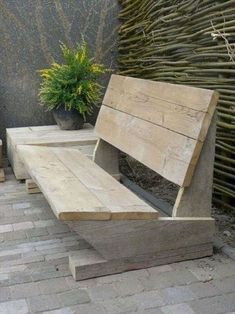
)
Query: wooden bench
[{"x": 168, "y": 128}]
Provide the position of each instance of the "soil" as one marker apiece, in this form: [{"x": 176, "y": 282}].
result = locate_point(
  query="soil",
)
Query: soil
[{"x": 160, "y": 187}]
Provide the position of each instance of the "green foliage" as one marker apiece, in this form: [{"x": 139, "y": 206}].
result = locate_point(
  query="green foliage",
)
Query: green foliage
[{"x": 72, "y": 84}]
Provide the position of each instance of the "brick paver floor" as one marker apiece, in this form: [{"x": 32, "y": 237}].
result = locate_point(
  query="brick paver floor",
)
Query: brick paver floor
[{"x": 34, "y": 274}]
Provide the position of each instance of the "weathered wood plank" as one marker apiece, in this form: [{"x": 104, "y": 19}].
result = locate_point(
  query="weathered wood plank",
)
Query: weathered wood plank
[
  {"x": 107, "y": 157},
  {"x": 78, "y": 189},
  {"x": 67, "y": 196},
  {"x": 88, "y": 263},
  {"x": 31, "y": 187},
  {"x": 123, "y": 239},
  {"x": 84, "y": 140},
  {"x": 2, "y": 175},
  {"x": 122, "y": 203},
  {"x": 196, "y": 200},
  {"x": 170, "y": 154},
  {"x": 183, "y": 109}
]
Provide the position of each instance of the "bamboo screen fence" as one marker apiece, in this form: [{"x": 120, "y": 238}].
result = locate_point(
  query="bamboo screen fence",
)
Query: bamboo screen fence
[{"x": 188, "y": 42}]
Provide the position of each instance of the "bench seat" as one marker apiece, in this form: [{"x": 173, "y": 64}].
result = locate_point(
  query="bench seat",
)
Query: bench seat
[{"x": 78, "y": 189}]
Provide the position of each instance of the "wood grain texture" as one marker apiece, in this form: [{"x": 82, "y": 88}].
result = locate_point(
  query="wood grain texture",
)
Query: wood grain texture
[
  {"x": 78, "y": 189},
  {"x": 124, "y": 239},
  {"x": 107, "y": 157},
  {"x": 88, "y": 263},
  {"x": 31, "y": 187},
  {"x": 84, "y": 140},
  {"x": 170, "y": 154},
  {"x": 196, "y": 200},
  {"x": 182, "y": 109},
  {"x": 2, "y": 175}
]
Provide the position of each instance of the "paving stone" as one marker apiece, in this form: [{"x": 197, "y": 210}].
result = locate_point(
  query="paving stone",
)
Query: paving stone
[
  {"x": 56, "y": 256},
  {"x": 102, "y": 293},
  {"x": 17, "y": 278},
  {"x": 168, "y": 279},
  {"x": 204, "y": 289},
  {"x": 225, "y": 285},
  {"x": 58, "y": 229},
  {"x": 13, "y": 236},
  {"x": 177, "y": 309},
  {"x": 4, "y": 294},
  {"x": 176, "y": 294},
  {"x": 3, "y": 277},
  {"x": 120, "y": 305},
  {"x": 23, "y": 225},
  {"x": 52, "y": 286},
  {"x": 24, "y": 290},
  {"x": 151, "y": 311},
  {"x": 128, "y": 287},
  {"x": 32, "y": 211},
  {"x": 44, "y": 223},
  {"x": 159, "y": 269},
  {"x": 72, "y": 297},
  {"x": 9, "y": 258},
  {"x": 14, "y": 307},
  {"x": 214, "y": 305},
  {"x": 21, "y": 205},
  {"x": 89, "y": 308},
  {"x": 44, "y": 303},
  {"x": 6, "y": 228},
  {"x": 37, "y": 232},
  {"x": 12, "y": 269},
  {"x": 146, "y": 300},
  {"x": 65, "y": 310}
]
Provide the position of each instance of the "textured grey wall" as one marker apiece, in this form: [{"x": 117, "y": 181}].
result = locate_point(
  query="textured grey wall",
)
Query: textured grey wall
[{"x": 29, "y": 40}]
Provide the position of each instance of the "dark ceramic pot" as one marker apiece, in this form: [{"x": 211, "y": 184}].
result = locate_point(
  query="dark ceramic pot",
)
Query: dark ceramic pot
[{"x": 68, "y": 120}]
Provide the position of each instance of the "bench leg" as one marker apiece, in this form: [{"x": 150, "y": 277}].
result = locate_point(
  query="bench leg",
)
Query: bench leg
[
  {"x": 195, "y": 200},
  {"x": 31, "y": 187},
  {"x": 107, "y": 157},
  {"x": 127, "y": 245},
  {"x": 2, "y": 175},
  {"x": 88, "y": 263}
]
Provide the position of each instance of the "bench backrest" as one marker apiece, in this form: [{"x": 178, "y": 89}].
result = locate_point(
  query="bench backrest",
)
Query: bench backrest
[{"x": 161, "y": 125}]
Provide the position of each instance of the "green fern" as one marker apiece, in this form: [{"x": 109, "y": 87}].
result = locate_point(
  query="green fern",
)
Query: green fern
[{"x": 72, "y": 84}]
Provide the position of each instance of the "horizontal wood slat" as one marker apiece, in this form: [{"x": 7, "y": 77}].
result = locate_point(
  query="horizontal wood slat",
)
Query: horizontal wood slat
[
  {"x": 183, "y": 109},
  {"x": 78, "y": 189},
  {"x": 172, "y": 155}
]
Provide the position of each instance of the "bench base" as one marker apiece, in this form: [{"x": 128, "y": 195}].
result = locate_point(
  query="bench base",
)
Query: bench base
[
  {"x": 119, "y": 246},
  {"x": 88, "y": 263}
]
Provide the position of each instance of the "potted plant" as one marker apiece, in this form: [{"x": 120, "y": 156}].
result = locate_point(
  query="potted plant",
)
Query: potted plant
[{"x": 70, "y": 90}]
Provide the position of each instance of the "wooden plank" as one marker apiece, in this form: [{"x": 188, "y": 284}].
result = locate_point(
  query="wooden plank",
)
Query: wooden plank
[
  {"x": 88, "y": 263},
  {"x": 125, "y": 239},
  {"x": 31, "y": 187},
  {"x": 183, "y": 109},
  {"x": 84, "y": 140},
  {"x": 122, "y": 203},
  {"x": 77, "y": 189},
  {"x": 170, "y": 154},
  {"x": 2, "y": 175},
  {"x": 107, "y": 157},
  {"x": 196, "y": 200},
  {"x": 67, "y": 196}
]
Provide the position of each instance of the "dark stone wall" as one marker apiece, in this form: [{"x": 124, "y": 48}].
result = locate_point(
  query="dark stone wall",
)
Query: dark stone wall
[{"x": 29, "y": 40}]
